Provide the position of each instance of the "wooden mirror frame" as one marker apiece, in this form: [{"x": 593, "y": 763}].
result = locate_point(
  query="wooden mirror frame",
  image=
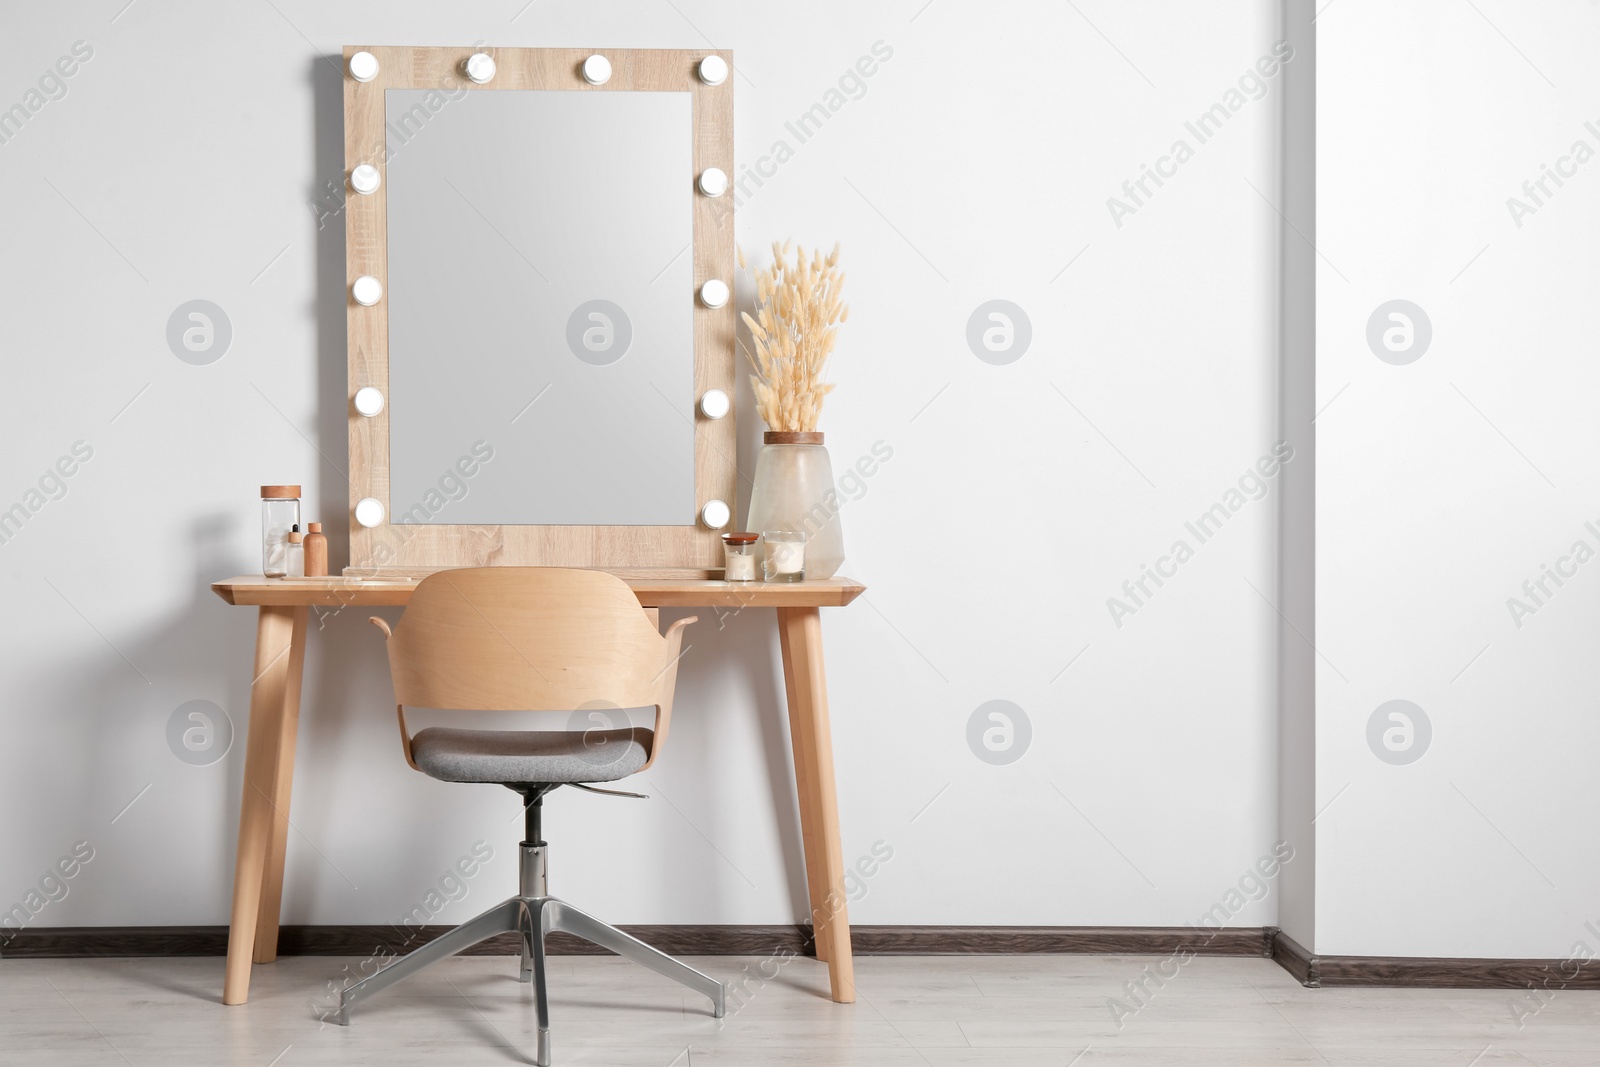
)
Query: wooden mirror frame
[{"x": 690, "y": 551}]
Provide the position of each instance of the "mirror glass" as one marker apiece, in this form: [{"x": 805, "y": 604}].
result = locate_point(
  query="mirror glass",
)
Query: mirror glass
[{"x": 540, "y": 307}]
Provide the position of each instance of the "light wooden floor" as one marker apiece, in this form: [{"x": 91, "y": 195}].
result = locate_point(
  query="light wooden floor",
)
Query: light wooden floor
[{"x": 925, "y": 1011}]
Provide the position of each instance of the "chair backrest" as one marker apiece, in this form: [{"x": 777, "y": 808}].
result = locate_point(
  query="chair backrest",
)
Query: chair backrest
[{"x": 530, "y": 639}]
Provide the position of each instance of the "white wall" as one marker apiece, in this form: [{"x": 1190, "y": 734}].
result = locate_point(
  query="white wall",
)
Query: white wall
[
  {"x": 183, "y": 163},
  {"x": 1444, "y": 484}
]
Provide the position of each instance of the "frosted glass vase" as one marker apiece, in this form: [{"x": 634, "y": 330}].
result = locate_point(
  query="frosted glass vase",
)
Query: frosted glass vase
[{"x": 794, "y": 490}]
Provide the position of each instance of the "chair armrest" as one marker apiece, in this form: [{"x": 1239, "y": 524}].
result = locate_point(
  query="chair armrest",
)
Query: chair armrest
[
  {"x": 669, "y": 682},
  {"x": 399, "y": 709},
  {"x": 405, "y": 736}
]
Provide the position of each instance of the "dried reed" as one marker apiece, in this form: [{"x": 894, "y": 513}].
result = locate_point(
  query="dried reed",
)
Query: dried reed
[{"x": 798, "y": 312}]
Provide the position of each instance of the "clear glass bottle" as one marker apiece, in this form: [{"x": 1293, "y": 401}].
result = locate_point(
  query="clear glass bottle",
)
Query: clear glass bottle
[
  {"x": 295, "y": 563},
  {"x": 739, "y": 554},
  {"x": 280, "y": 513},
  {"x": 785, "y": 557}
]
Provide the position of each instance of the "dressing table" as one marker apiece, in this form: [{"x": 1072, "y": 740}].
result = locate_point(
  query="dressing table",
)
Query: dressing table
[
  {"x": 284, "y": 608},
  {"x": 541, "y": 332}
]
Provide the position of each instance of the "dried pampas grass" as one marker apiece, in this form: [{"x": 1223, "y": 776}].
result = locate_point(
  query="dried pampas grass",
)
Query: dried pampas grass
[{"x": 798, "y": 312}]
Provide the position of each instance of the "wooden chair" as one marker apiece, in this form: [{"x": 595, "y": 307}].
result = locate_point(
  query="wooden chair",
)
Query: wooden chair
[{"x": 533, "y": 639}]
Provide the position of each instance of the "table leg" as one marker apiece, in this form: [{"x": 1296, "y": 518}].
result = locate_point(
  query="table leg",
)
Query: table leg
[
  {"x": 800, "y": 632},
  {"x": 801, "y": 741},
  {"x": 264, "y": 805},
  {"x": 282, "y": 771}
]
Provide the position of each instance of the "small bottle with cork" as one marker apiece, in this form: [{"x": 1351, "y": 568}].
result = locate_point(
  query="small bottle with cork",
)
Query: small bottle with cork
[{"x": 316, "y": 551}]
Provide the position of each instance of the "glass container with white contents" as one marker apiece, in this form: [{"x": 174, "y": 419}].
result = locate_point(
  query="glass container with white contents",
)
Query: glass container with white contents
[
  {"x": 739, "y": 553},
  {"x": 785, "y": 558},
  {"x": 280, "y": 513}
]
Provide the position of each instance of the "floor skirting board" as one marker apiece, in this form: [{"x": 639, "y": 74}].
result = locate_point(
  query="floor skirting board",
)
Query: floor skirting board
[
  {"x": 385, "y": 941},
  {"x": 68, "y": 942},
  {"x": 1425, "y": 972},
  {"x": 1292, "y": 957}
]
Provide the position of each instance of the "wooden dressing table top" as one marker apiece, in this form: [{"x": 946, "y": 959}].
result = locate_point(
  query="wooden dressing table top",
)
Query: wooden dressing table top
[{"x": 340, "y": 591}]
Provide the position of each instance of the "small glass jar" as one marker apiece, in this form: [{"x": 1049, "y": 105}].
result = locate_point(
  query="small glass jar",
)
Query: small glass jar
[
  {"x": 739, "y": 557},
  {"x": 280, "y": 513},
  {"x": 785, "y": 557}
]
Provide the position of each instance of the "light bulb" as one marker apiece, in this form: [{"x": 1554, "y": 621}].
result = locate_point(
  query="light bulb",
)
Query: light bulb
[
  {"x": 369, "y": 401},
  {"x": 713, "y": 70},
  {"x": 597, "y": 70},
  {"x": 365, "y": 179},
  {"x": 713, "y": 182},
  {"x": 480, "y": 68},
  {"x": 369, "y": 512},
  {"x": 715, "y": 514},
  {"x": 714, "y": 404},
  {"x": 363, "y": 66},
  {"x": 714, "y": 293},
  {"x": 367, "y": 290}
]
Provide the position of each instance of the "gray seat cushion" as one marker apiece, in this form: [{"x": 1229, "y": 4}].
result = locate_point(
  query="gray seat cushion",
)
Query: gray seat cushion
[{"x": 521, "y": 756}]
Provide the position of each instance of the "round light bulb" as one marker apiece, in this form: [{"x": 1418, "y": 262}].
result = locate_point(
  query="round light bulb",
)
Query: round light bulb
[
  {"x": 365, "y": 179},
  {"x": 715, "y": 514},
  {"x": 480, "y": 68},
  {"x": 363, "y": 66},
  {"x": 713, "y": 182},
  {"x": 369, "y": 401},
  {"x": 713, "y": 70},
  {"x": 367, "y": 290},
  {"x": 597, "y": 70},
  {"x": 714, "y": 404},
  {"x": 369, "y": 512},
  {"x": 714, "y": 293}
]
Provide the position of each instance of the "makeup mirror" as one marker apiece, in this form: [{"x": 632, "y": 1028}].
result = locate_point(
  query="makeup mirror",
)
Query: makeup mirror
[
  {"x": 541, "y": 301},
  {"x": 539, "y": 296}
]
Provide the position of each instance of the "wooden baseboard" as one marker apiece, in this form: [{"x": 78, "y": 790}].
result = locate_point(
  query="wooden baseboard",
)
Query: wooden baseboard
[
  {"x": 1307, "y": 968},
  {"x": 82, "y": 942},
  {"x": 1421, "y": 972},
  {"x": 1292, "y": 957},
  {"x": 1065, "y": 940},
  {"x": 91, "y": 941}
]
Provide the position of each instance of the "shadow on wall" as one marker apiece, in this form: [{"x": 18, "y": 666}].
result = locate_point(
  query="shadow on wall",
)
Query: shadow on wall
[
  {"x": 330, "y": 300},
  {"x": 114, "y": 725},
  {"x": 730, "y": 671}
]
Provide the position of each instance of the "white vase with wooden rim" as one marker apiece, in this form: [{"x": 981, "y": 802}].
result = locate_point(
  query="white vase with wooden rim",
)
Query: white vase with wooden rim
[{"x": 794, "y": 490}]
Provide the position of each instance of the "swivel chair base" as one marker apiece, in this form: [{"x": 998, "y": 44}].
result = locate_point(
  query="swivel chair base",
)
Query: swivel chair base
[{"x": 533, "y": 913}]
